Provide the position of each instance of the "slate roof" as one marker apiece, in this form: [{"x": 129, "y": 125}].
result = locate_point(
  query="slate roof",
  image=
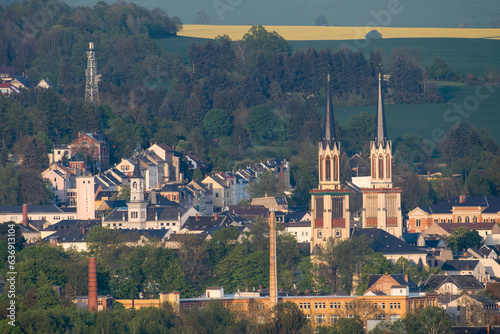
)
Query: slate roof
[
  {"x": 432, "y": 243},
  {"x": 400, "y": 279},
  {"x": 71, "y": 230},
  {"x": 105, "y": 194},
  {"x": 457, "y": 265},
  {"x": 490, "y": 203},
  {"x": 204, "y": 223},
  {"x": 295, "y": 216},
  {"x": 411, "y": 238},
  {"x": 249, "y": 211},
  {"x": 134, "y": 235},
  {"x": 449, "y": 227},
  {"x": 463, "y": 282},
  {"x": 386, "y": 243},
  {"x": 50, "y": 208}
]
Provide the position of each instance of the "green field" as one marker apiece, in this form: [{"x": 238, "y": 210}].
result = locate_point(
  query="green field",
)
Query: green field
[
  {"x": 424, "y": 119},
  {"x": 421, "y": 13}
]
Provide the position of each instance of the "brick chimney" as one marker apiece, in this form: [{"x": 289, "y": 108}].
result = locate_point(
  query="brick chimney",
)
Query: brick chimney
[
  {"x": 216, "y": 216},
  {"x": 406, "y": 278},
  {"x": 462, "y": 198},
  {"x": 196, "y": 217},
  {"x": 25, "y": 215},
  {"x": 92, "y": 284}
]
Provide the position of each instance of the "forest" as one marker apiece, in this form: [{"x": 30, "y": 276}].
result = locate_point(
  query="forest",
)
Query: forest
[{"x": 229, "y": 102}]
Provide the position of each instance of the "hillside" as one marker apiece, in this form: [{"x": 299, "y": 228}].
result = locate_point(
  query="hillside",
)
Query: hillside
[{"x": 422, "y": 13}]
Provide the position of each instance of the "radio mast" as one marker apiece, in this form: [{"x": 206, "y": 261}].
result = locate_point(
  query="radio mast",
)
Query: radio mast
[{"x": 91, "y": 90}]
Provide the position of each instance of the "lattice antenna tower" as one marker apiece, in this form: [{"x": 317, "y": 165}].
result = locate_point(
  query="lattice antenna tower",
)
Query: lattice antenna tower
[{"x": 91, "y": 90}]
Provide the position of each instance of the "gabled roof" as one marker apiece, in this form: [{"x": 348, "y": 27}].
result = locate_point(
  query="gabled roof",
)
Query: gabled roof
[
  {"x": 399, "y": 279},
  {"x": 71, "y": 230},
  {"x": 386, "y": 243},
  {"x": 459, "y": 265},
  {"x": 134, "y": 235},
  {"x": 463, "y": 282},
  {"x": 204, "y": 223}
]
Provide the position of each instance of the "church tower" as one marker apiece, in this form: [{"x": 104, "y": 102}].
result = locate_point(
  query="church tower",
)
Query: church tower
[
  {"x": 330, "y": 202},
  {"x": 382, "y": 202},
  {"x": 137, "y": 207}
]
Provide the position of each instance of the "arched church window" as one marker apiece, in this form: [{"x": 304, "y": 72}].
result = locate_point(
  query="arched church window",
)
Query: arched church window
[
  {"x": 381, "y": 167},
  {"x": 134, "y": 185},
  {"x": 374, "y": 161},
  {"x": 474, "y": 219},
  {"x": 388, "y": 165},
  {"x": 459, "y": 219},
  {"x": 321, "y": 168},
  {"x": 335, "y": 168},
  {"x": 328, "y": 169},
  {"x": 467, "y": 219}
]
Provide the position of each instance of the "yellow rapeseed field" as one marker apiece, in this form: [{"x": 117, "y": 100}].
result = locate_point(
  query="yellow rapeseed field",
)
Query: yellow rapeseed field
[{"x": 299, "y": 33}]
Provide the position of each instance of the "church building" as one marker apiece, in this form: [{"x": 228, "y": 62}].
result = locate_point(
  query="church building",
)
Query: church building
[
  {"x": 382, "y": 202},
  {"x": 330, "y": 202}
]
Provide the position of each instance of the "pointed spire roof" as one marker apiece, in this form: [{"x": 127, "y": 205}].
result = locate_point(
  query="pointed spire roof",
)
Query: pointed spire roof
[
  {"x": 137, "y": 170},
  {"x": 330, "y": 135},
  {"x": 380, "y": 128}
]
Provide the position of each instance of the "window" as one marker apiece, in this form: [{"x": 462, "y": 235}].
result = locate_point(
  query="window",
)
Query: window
[
  {"x": 320, "y": 318},
  {"x": 467, "y": 219},
  {"x": 394, "y": 317},
  {"x": 383, "y": 306},
  {"x": 399, "y": 306},
  {"x": 474, "y": 219},
  {"x": 459, "y": 219},
  {"x": 216, "y": 194},
  {"x": 418, "y": 223},
  {"x": 133, "y": 214},
  {"x": 335, "y": 168},
  {"x": 334, "y": 318},
  {"x": 436, "y": 221},
  {"x": 381, "y": 167},
  {"x": 388, "y": 165},
  {"x": 328, "y": 168},
  {"x": 320, "y": 234}
]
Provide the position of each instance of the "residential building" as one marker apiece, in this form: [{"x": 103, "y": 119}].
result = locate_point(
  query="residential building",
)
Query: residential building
[
  {"x": 70, "y": 234},
  {"x": 94, "y": 147},
  {"x": 391, "y": 247},
  {"x": 49, "y": 213},
  {"x": 274, "y": 203},
  {"x": 473, "y": 310},
  {"x": 466, "y": 267},
  {"x": 452, "y": 284},
  {"x": 458, "y": 210}
]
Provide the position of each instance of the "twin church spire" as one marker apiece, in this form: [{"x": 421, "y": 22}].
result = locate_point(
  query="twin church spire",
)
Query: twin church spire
[{"x": 329, "y": 148}]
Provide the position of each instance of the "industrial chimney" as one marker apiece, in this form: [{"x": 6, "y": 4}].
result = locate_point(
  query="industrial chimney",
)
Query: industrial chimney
[
  {"x": 273, "y": 270},
  {"x": 25, "y": 215},
  {"x": 92, "y": 285}
]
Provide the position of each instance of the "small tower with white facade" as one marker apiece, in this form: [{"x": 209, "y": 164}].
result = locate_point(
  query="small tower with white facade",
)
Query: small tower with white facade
[{"x": 137, "y": 206}]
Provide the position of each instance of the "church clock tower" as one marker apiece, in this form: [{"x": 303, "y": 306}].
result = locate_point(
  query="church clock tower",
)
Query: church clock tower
[
  {"x": 330, "y": 202},
  {"x": 137, "y": 206},
  {"x": 382, "y": 202}
]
